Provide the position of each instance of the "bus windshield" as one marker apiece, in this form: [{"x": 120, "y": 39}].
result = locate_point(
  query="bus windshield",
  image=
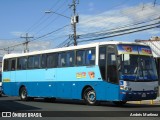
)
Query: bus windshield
[{"x": 137, "y": 67}]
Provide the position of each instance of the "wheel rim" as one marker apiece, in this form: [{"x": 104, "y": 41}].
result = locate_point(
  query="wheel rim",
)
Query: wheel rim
[
  {"x": 24, "y": 94},
  {"x": 91, "y": 97}
]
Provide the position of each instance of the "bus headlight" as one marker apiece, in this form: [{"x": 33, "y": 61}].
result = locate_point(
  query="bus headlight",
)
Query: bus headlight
[
  {"x": 122, "y": 87},
  {"x": 128, "y": 88}
]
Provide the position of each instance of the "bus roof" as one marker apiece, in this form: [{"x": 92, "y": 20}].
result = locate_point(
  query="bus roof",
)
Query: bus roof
[{"x": 69, "y": 48}]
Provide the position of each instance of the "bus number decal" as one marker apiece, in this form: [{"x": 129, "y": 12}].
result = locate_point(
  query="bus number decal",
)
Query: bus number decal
[{"x": 81, "y": 75}]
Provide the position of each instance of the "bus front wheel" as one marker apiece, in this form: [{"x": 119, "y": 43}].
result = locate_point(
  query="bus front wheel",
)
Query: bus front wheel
[
  {"x": 23, "y": 94},
  {"x": 90, "y": 96}
]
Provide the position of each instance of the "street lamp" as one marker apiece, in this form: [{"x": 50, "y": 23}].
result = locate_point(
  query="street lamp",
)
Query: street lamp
[
  {"x": 57, "y": 14},
  {"x": 74, "y": 20}
]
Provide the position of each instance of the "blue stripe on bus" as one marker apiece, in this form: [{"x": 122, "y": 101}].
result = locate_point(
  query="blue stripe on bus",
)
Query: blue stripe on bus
[
  {"x": 68, "y": 90},
  {"x": 73, "y": 90},
  {"x": 60, "y": 82}
]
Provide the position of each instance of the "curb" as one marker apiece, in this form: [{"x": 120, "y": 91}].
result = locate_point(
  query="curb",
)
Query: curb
[{"x": 149, "y": 102}]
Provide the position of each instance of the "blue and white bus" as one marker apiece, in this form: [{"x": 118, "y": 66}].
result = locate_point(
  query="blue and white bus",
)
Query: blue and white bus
[{"x": 105, "y": 71}]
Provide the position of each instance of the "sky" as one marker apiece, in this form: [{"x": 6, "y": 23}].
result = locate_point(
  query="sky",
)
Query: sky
[{"x": 18, "y": 17}]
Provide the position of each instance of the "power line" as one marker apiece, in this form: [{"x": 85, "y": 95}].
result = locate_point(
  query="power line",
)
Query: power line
[
  {"x": 26, "y": 49},
  {"x": 13, "y": 46},
  {"x": 65, "y": 42},
  {"x": 8, "y": 50},
  {"x": 128, "y": 32},
  {"x": 113, "y": 32},
  {"x": 122, "y": 11},
  {"x": 40, "y": 20},
  {"x": 94, "y": 34},
  {"x": 46, "y": 26},
  {"x": 50, "y": 33},
  {"x": 43, "y": 19},
  {"x": 75, "y": 36}
]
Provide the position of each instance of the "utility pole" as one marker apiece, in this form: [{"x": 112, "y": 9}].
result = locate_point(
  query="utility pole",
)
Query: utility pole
[
  {"x": 154, "y": 4},
  {"x": 74, "y": 21},
  {"x": 8, "y": 50},
  {"x": 26, "y": 49}
]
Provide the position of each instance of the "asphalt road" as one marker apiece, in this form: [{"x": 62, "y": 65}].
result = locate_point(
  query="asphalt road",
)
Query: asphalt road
[{"x": 71, "y": 108}]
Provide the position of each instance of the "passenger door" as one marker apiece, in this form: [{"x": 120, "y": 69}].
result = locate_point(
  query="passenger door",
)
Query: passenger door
[{"x": 112, "y": 73}]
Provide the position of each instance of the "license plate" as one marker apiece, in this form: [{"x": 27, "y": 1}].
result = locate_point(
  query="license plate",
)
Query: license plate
[{"x": 144, "y": 95}]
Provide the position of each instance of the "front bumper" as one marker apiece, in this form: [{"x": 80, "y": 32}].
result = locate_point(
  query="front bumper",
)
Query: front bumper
[{"x": 138, "y": 95}]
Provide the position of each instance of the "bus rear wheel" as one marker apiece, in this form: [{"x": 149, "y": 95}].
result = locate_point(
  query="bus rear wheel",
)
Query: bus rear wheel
[
  {"x": 90, "y": 96},
  {"x": 23, "y": 94}
]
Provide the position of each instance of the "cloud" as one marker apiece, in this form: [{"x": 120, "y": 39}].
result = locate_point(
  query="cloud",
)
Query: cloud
[
  {"x": 34, "y": 46},
  {"x": 17, "y": 34},
  {"x": 40, "y": 45},
  {"x": 142, "y": 12},
  {"x": 116, "y": 18},
  {"x": 154, "y": 31}
]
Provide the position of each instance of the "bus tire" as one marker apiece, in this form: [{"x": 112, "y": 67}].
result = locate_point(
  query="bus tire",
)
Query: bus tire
[
  {"x": 119, "y": 103},
  {"x": 23, "y": 94},
  {"x": 90, "y": 96}
]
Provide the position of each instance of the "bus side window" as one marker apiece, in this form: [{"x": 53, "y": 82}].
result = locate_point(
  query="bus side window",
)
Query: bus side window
[
  {"x": 52, "y": 60},
  {"x": 22, "y": 63},
  {"x": 43, "y": 61},
  {"x": 19, "y": 63},
  {"x": 37, "y": 61},
  {"x": 90, "y": 57},
  {"x": 13, "y": 64},
  {"x": 80, "y": 58},
  {"x": 31, "y": 62},
  {"x": 62, "y": 59},
  {"x": 70, "y": 59},
  {"x": 6, "y": 65}
]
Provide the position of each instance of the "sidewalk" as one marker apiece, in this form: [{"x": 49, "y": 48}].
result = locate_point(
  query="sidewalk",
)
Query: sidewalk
[{"x": 149, "y": 102}]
